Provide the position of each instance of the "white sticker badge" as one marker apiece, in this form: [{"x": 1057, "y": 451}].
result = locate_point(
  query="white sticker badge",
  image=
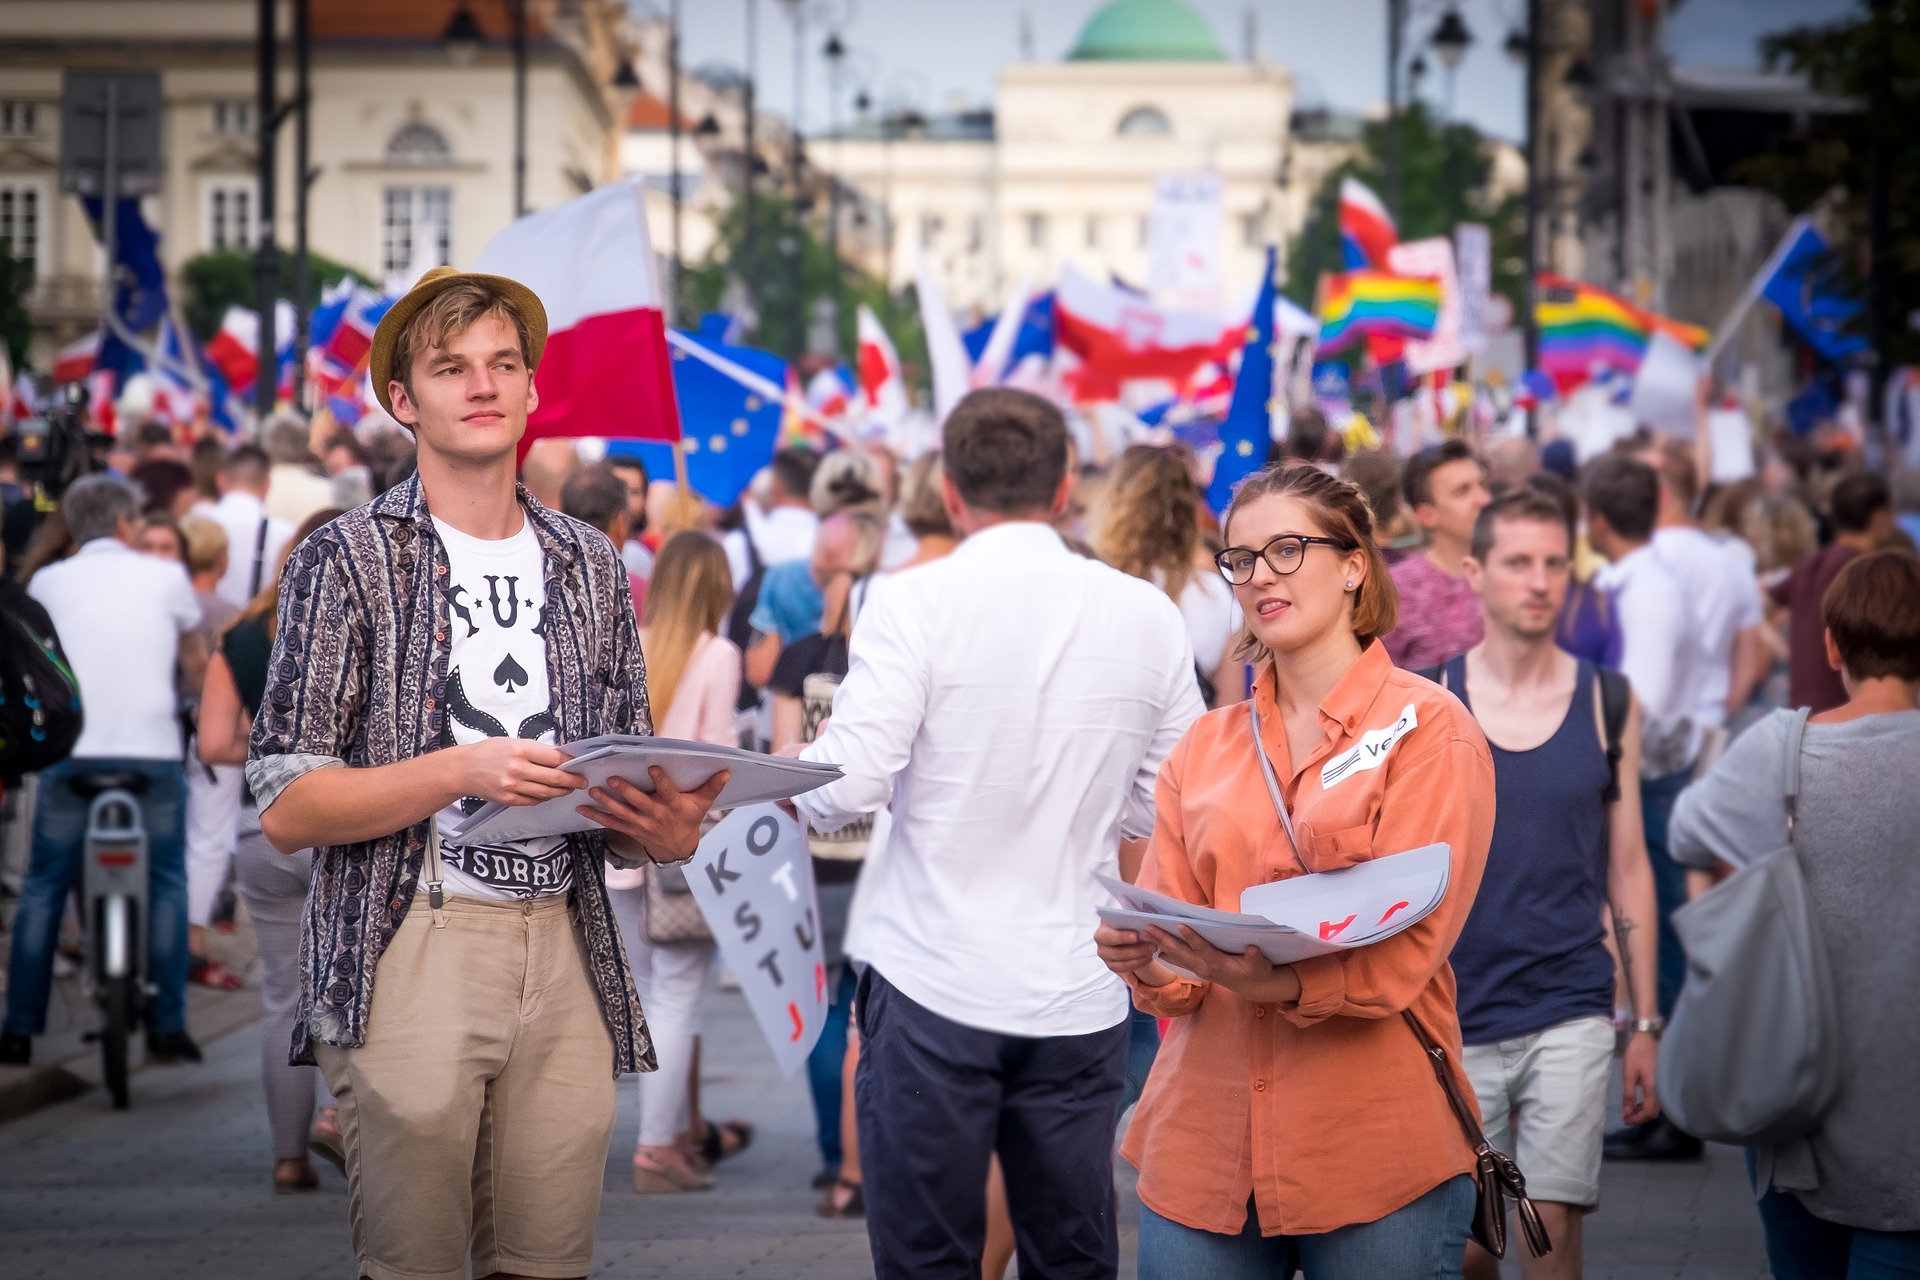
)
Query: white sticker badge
[{"x": 1369, "y": 753}]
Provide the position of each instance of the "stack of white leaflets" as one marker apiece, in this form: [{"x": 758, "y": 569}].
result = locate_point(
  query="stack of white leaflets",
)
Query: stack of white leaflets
[
  {"x": 1307, "y": 916},
  {"x": 756, "y": 778}
]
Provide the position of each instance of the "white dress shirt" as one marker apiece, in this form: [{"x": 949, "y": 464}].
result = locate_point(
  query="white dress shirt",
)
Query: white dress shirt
[
  {"x": 1658, "y": 655},
  {"x": 1012, "y": 704},
  {"x": 119, "y": 615},
  {"x": 1718, "y": 579},
  {"x": 240, "y": 514}
]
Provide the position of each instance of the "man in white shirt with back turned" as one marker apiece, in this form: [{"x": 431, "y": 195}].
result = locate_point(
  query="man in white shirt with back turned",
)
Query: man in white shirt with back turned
[
  {"x": 1011, "y": 704},
  {"x": 255, "y": 540}
]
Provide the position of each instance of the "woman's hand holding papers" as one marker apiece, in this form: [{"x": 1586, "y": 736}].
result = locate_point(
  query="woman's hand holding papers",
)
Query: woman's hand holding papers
[
  {"x": 1249, "y": 975},
  {"x": 665, "y": 825}
]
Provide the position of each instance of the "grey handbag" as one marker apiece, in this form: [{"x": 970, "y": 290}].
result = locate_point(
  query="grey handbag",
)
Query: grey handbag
[{"x": 1752, "y": 1054}]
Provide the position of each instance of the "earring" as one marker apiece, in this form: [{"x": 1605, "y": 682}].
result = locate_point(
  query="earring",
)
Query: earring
[{"x": 1349, "y": 584}]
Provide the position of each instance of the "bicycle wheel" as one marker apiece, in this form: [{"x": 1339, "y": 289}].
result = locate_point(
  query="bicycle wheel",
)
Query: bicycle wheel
[{"x": 117, "y": 1001}]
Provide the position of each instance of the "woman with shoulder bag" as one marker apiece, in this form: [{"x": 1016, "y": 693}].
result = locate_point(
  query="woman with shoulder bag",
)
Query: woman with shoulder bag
[
  {"x": 693, "y": 682},
  {"x": 1843, "y": 1202},
  {"x": 1294, "y": 1118}
]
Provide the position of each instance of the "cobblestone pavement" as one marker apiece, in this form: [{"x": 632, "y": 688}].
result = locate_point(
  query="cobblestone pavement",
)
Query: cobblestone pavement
[{"x": 178, "y": 1186}]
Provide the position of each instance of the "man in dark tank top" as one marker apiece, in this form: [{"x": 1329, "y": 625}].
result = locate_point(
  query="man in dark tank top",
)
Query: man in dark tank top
[{"x": 1535, "y": 973}]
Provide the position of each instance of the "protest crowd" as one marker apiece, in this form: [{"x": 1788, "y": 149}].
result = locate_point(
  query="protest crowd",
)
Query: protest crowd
[{"x": 1039, "y": 654}]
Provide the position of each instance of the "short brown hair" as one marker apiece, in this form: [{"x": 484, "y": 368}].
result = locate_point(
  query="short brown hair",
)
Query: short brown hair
[
  {"x": 921, "y": 505},
  {"x": 1872, "y": 610},
  {"x": 1627, "y": 492},
  {"x": 1416, "y": 478},
  {"x": 453, "y": 311},
  {"x": 1524, "y": 503},
  {"x": 595, "y": 495},
  {"x": 1005, "y": 450},
  {"x": 1342, "y": 510}
]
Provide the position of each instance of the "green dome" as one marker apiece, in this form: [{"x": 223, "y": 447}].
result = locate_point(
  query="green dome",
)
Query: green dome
[{"x": 1146, "y": 31}]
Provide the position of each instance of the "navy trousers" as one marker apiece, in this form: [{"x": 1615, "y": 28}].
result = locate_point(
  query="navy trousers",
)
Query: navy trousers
[{"x": 936, "y": 1099}]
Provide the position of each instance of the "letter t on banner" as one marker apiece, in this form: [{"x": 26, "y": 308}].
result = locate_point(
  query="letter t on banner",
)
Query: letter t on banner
[{"x": 753, "y": 879}]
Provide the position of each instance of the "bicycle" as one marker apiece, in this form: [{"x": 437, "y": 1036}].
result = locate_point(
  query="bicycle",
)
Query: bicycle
[{"x": 113, "y": 894}]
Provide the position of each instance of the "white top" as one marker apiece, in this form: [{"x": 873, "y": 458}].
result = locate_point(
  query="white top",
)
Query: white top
[
  {"x": 1658, "y": 656},
  {"x": 1012, "y": 703},
  {"x": 1212, "y": 616},
  {"x": 294, "y": 493},
  {"x": 637, "y": 558},
  {"x": 782, "y": 534},
  {"x": 120, "y": 615},
  {"x": 1717, "y": 578},
  {"x": 497, "y": 688},
  {"x": 240, "y": 514}
]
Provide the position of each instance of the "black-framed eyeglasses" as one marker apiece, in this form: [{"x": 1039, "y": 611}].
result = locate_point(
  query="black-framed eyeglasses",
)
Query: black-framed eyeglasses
[{"x": 1283, "y": 555}]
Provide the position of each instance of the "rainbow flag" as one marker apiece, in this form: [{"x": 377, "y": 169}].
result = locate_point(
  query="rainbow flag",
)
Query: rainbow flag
[
  {"x": 1355, "y": 304},
  {"x": 1582, "y": 327}
]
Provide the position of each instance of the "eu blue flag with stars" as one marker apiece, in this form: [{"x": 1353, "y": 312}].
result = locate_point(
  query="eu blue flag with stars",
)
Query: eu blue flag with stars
[
  {"x": 1246, "y": 434},
  {"x": 729, "y": 431},
  {"x": 1802, "y": 280}
]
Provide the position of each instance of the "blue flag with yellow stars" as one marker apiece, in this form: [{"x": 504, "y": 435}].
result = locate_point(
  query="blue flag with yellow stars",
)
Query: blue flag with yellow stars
[{"x": 1246, "y": 434}]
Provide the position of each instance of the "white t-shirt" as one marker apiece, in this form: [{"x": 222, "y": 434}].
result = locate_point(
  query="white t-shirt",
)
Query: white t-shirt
[
  {"x": 1723, "y": 597},
  {"x": 245, "y": 519},
  {"x": 1657, "y": 656},
  {"x": 120, "y": 615},
  {"x": 496, "y": 688},
  {"x": 1212, "y": 616}
]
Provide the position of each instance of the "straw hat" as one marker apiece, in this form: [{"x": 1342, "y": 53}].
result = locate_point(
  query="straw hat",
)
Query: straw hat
[{"x": 387, "y": 336}]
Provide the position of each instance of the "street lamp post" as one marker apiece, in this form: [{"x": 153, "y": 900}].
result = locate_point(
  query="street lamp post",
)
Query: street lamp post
[
  {"x": 673, "y": 148},
  {"x": 836, "y": 54},
  {"x": 1396, "y": 23},
  {"x": 797, "y": 12},
  {"x": 518, "y": 8},
  {"x": 1451, "y": 40},
  {"x": 750, "y": 157},
  {"x": 1529, "y": 284},
  {"x": 302, "y": 184},
  {"x": 266, "y": 257}
]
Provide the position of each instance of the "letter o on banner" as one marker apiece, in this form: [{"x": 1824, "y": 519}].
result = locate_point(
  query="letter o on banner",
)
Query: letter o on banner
[{"x": 761, "y": 836}]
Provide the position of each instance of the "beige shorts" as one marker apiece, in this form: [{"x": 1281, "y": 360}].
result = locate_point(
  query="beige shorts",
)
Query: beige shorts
[
  {"x": 477, "y": 1114},
  {"x": 1543, "y": 1101}
]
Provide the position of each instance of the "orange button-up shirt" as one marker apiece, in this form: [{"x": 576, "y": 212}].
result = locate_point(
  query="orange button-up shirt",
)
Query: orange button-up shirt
[{"x": 1324, "y": 1111}]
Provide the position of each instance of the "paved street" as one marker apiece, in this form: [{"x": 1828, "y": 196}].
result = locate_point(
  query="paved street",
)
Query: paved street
[{"x": 178, "y": 1187}]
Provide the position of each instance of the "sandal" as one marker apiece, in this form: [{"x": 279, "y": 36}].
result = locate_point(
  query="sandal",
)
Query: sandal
[
  {"x": 845, "y": 1200},
  {"x": 324, "y": 1139},
  {"x": 293, "y": 1176},
  {"x": 715, "y": 1147},
  {"x": 653, "y": 1176},
  {"x": 211, "y": 973}
]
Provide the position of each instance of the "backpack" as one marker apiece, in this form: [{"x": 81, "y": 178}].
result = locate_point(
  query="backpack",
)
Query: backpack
[
  {"x": 40, "y": 716},
  {"x": 1616, "y": 696},
  {"x": 1752, "y": 1053},
  {"x": 738, "y": 627}
]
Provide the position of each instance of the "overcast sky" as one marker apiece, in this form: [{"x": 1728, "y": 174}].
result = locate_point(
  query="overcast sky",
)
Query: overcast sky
[{"x": 939, "y": 52}]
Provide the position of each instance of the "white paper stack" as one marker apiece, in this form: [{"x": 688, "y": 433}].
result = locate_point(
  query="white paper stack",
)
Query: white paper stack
[
  {"x": 756, "y": 778},
  {"x": 1311, "y": 915}
]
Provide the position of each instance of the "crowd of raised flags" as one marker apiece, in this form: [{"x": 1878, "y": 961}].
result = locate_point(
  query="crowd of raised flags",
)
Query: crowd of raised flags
[{"x": 1115, "y": 357}]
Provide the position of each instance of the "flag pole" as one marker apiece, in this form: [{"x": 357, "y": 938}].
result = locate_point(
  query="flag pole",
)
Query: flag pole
[{"x": 1751, "y": 294}]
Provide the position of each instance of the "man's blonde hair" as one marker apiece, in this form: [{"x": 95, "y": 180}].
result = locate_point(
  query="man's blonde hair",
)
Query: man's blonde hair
[{"x": 452, "y": 312}]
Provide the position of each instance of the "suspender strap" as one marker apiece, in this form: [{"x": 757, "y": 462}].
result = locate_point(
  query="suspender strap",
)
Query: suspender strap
[
  {"x": 436, "y": 895},
  {"x": 259, "y": 558}
]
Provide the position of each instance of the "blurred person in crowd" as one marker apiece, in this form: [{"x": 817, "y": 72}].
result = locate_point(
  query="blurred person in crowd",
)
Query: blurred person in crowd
[
  {"x": 1311, "y": 1058},
  {"x": 349, "y": 468},
  {"x": 213, "y": 790},
  {"x": 165, "y": 486},
  {"x": 208, "y": 457},
  {"x": 1511, "y": 462},
  {"x": 599, "y": 496},
  {"x": 790, "y": 600},
  {"x": 1309, "y": 439},
  {"x": 1587, "y": 627},
  {"x": 693, "y": 681},
  {"x": 295, "y": 487},
  {"x": 153, "y": 441},
  {"x": 128, "y": 623},
  {"x": 923, "y": 510},
  {"x": 1660, "y": 658},
  {"x": 549, "y": 463},
  {"x": 1861, "y": 510},
  {"x": 255, "y": 539},
  {"x": 52, "y": 541},
  {"x": 273, "y": 885},
  {"x": 1145, "y": 527},
  {"x": 1377, "y": 475},
  {"x": 1717, "y": 576},
  {"x": 393, "y": 460},
  {"x": 1445, "y": 487},
  {"x": 779, "y": 519},
  {"x": 1536, "y": 978},
  {"x": 1845, "y": 1200},
  {"x": 160, "y": 536},
  {"x": 11, "y": 490},
  {"x": 1905, "y": 493},
  {"x": 1558, "y": 457},
  {"x": 412, "y": 1008},
  {"x": 987, "y": 702},
  {"x": 633, "y": 476}
]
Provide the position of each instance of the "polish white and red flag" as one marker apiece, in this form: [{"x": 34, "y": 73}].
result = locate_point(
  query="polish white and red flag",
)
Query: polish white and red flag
[
  {"x": 1367, "y": 231},
  {"x": 883, "y": 388},
  {"x": 73, "y": 362},
  {"x": 235, "y": 349},
  {"x": 605, "y": 371},
  {"x": 1122, "y": 336}
]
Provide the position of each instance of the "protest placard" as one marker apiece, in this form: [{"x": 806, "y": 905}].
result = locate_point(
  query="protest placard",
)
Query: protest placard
[{"x": 753, "y": 879}]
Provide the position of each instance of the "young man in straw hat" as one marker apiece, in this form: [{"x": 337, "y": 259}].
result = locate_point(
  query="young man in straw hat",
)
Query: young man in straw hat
[{"x": 471, "y": 1006}]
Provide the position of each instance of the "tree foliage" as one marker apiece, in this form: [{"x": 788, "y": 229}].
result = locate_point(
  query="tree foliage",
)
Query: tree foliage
[
  {"x": 1443, "y": 181},
  {"x": 1872, "y": 57},
  {"x": 216, "y": 281},
  {"x": 16, "y": 326}
]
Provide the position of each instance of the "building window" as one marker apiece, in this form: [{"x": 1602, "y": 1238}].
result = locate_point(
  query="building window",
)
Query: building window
[
  {"x": 929, "y": 230},
  {"x": 405, "y": 208},
  {"x": 1036, "y": 231},
  {"x": 233, "y": 118},
  {"x": 229, "y": 215},
  {"x": 1148, "y": 122},
  {"x": 1252, "y": 230},
  {"x": 21, "y": 208},
  {"x": 1093, "y": 231},
  {"x": 19, "y": 119},
  {"x": 418, "y": 143}
]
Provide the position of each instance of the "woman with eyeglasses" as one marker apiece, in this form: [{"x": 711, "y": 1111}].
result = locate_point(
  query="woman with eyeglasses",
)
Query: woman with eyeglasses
[{"x": 1293, "y": 1118}]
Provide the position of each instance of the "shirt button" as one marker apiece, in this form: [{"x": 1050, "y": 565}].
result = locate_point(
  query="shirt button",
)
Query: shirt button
[
  {"x": 1259, "y": 1086},
  {"x": 439, "y": 637},
  {"x": 429, "y": 704}
]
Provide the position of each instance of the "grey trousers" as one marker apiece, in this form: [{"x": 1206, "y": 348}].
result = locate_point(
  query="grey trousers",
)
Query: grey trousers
[{"x": 274, "y": 887}]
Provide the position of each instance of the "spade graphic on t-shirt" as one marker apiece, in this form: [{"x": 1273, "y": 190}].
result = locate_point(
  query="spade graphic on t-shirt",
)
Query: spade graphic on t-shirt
[{"x": 509, "y": 675}]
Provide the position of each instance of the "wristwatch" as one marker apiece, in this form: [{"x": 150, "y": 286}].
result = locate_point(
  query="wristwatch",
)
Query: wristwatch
[
  {"x": 678, "y": 862},
  {"x": 1652, "y": 1026}
]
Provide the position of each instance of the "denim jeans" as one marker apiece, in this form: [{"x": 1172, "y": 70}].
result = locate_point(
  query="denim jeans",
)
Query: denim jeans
[
  {"x": 824, "y": 1066},
  {"x": 1143, "y": 1046},
  {"x": 1803, "y": 1247},
  {"x": 59, "y": 840},
  {"x": 1425, "y": 1240},
  {"x": 1657, "y": 798}
]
